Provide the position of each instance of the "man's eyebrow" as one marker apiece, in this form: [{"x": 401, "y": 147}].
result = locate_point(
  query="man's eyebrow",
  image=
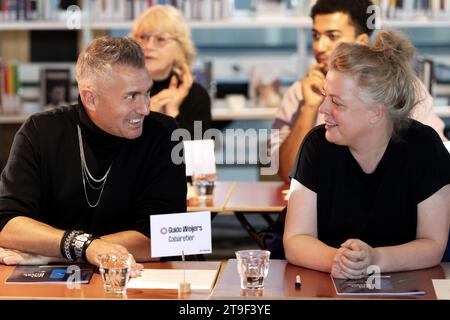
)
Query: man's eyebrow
[
  {"x": 328, "y": 31},
  {"x": 131, "y": 93}
]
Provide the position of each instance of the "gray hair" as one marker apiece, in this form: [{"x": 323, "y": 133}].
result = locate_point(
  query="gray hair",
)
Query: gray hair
[
  {"x": 97, "y": 60},
  {"x": 384, "y": 71}
]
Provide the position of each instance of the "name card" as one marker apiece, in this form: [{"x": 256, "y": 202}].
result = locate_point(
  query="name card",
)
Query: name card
[
  {"x": 172, "y": 234},
  {"x": 199, "y": 157}
]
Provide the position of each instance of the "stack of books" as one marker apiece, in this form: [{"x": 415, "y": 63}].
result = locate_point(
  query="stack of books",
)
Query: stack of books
[{"x": 9, "y": 88}]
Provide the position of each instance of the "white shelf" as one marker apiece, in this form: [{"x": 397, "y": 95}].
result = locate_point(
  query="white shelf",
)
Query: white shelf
[
  {"x": 33, "y": 25},
  {"x": 415, "y": 23},
  {"x": 13, "y": 119},
  {"x": 443, "y": 112},
  {"x": 232, "y": 23}
]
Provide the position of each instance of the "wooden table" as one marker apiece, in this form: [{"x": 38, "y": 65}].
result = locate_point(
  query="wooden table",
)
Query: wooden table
[
  {"x": 222, "y": 192},
  {"x": 280, "y": 284},
  {"x": 262, "y": 197},
  {"x": 241, "y": 198},
  {"x": 94, "y": 290},
  {"x": 257, "y": 197}
]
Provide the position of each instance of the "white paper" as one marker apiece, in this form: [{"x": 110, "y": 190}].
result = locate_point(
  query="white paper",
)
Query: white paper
[
  {"x": 199, "y": 156},
  {"x": 175, "y": 233},
  {"x": 171, "y": 279},
  {"x": 442, "y": 288}
]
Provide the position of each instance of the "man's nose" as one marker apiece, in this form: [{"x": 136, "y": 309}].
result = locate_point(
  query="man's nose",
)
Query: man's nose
[
  {"x": 322, "y": 44},
  {"x": 144, "y": 106}
]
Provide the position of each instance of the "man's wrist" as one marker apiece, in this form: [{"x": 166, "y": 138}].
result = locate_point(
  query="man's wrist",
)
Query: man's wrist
[
  {"x": 85, "y": 247},
  {"x": 74, "y": 244}
]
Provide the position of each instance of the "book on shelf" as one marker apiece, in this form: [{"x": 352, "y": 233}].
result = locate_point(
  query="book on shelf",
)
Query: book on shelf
[
  {"x": 413, "y": 9},
  {"x": 392, "y": 284},
  {"x": 46, "y": 274},
  {"x": 30, "y": 10},
  {"x": 119, "y": 10},
  {"x": 55, "y": 87},
  {"x": 9, "y": 88}
]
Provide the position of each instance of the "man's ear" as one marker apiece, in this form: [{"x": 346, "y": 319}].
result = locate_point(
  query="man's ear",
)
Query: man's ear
[
  {"x": 377, "y": 113},
  {"x": 363, "y": 38},
  {"x": 88, "y": 98}
]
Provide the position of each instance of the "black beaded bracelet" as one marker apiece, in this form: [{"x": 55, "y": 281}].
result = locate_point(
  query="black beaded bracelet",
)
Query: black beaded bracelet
[
  {"x": 73, "y": 239},
  {"x": 64, "y": 253},
  {"x": 67, "y": 245}
]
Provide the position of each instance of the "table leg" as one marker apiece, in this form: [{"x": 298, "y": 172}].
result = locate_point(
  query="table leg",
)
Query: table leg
[{"x": 267, "y": 217}]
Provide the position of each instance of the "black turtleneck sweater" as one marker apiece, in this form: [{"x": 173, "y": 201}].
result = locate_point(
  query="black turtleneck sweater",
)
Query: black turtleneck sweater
[
  {"x": 43, "y": 178},
  {"x": 195, "y": 107}
]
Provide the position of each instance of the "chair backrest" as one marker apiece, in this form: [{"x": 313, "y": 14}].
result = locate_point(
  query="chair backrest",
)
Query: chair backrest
[{"x": 273, "y": 236}]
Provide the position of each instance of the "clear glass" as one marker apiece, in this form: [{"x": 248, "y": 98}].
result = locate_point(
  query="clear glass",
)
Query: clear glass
[
  {"x": 253, "y": 267},
  {"x": 204, "y": 185},
  {"x": 115, "y": 271}
]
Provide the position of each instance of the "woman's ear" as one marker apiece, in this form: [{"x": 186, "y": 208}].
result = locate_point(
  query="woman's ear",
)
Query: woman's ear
[{"x": 377, "y": 113}]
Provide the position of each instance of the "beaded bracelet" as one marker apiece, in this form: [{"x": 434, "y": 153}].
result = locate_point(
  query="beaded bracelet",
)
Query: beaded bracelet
[{"x": 66, "y": 244}]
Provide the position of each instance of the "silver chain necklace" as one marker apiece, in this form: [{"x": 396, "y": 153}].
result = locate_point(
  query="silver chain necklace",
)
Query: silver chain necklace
[{"x": 86, "y": 174}]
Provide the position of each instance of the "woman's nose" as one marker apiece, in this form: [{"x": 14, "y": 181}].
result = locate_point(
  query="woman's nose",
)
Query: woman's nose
[{"x": 324, "y": 106}]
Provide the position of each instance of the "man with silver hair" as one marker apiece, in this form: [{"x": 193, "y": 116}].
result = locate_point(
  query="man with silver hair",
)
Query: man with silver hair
[{"x": 82, "y": 180}]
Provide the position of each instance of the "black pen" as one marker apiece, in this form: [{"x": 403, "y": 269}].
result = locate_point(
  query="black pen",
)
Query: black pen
[{"x": 298, "y": 282}]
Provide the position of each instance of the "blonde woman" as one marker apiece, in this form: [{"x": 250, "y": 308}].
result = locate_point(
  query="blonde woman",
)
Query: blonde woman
[
  {"x": 169, "y": 52},
  {"x": 371, "y": 185}
]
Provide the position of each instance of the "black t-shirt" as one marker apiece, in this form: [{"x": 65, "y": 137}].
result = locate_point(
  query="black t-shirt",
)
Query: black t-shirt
[
  {"x": 43, "y": 179},
  {"x": 379, "y": 208},
  {"x": 195, "y": 107}
]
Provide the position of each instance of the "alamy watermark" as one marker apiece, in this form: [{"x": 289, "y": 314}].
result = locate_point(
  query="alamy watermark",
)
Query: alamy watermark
[
  {"x": 374, "y": 20},
  {"x": 235, "y": 146},
  {"x": 374, "y": 279},
  {"x": 73, "y": 17},
  {"x": 74, "y": 279}
]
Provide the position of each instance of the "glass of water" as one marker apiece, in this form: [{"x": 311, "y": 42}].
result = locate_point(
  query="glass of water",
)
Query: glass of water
[
  {"x": 204, "y": 185},
  {"x": 253, "y": 267},
  {"x": 115, "y": 270}
]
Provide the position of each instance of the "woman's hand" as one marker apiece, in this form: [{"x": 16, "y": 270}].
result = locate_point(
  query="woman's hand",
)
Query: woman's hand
[
  {"x": 353, "y": 259},
  {"x": 169, "y": 100}
]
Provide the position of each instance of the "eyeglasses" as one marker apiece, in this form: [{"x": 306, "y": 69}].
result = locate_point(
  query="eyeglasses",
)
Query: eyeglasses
[{"x": 158, "y": 41}]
